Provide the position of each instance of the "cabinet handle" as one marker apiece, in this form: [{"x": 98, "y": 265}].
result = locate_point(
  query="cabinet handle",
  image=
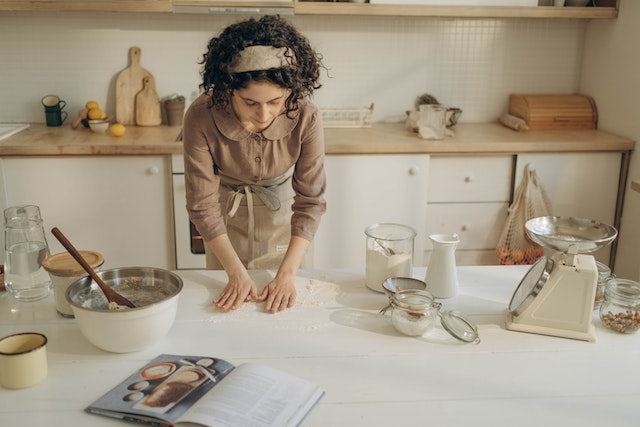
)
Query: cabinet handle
[
  {"x": 414, "y": 170},
  {"x": 153, "y": 170},
  {"x": 468, "y": 178},
  {"x": 464, "y": 227}
]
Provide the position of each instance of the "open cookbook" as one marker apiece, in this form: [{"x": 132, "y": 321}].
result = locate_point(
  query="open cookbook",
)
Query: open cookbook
[{"x": 191, "y": 390}]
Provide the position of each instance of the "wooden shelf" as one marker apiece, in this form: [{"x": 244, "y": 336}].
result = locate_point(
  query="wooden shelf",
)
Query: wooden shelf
[
  {"x": 233, "y": 3},
  {"x": 317, "y": 8},
  {"x": 87, "y": 5},
  {"x": 326, "y": 8}
]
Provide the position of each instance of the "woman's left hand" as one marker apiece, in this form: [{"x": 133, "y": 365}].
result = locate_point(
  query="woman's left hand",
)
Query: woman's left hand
[{"x": 279, "y": 294}]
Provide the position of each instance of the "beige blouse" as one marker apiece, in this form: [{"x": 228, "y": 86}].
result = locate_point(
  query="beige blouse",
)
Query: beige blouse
[{"x": 215, "y": 140}]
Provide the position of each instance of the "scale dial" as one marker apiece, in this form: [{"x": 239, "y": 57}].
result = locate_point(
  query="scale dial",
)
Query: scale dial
[{"x": 531, "y": 285}]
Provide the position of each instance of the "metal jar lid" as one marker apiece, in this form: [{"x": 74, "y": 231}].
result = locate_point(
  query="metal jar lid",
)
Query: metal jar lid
[{"x": 63, "y": 264}]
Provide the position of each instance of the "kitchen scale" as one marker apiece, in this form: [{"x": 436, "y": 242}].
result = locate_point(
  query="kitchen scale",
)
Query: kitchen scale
[{"x": 556, "y": 295}]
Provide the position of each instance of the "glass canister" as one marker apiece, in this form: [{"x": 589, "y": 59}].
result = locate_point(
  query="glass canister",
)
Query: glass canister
[
  {"x": 64, "y": 270},
  {"x": 432, "y": 121},
  {"x": 620, "y": 309},
  {"x": 414, "y": 311},
  {"x": 389, "y": 253},
  {"x": 25, "y": 250},
  {"x": 604, "y": 274}
]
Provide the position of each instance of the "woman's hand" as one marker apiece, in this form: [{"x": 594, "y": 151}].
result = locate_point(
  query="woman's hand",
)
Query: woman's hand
[
  {"x": 239, "y": 289},
  {"x": 279, "y": 294}
]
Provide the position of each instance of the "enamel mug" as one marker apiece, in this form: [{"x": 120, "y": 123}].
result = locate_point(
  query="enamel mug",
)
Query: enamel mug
[{"x": 23, "y": 360}]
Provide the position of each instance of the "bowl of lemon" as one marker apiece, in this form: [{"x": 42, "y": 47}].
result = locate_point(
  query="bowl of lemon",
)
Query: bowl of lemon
[{"x": 98, "y": 126}]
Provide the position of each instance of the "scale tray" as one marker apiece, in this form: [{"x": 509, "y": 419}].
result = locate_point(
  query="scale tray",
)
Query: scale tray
[{"x": 563, "y": 233}]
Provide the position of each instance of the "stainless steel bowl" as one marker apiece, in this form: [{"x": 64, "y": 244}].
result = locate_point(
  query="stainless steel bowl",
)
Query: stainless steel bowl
[
  {"x": 569, "y": 233},
  {"x": 393, "y": 284},
  {"x": 155, "y": 293}
]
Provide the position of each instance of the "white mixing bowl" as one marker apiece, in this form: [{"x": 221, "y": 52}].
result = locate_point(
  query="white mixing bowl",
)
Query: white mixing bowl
[{"x": 155, "y": 293}]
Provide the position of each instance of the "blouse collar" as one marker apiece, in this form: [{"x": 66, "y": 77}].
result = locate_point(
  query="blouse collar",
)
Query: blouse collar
[{"x": 227, "y": 122}]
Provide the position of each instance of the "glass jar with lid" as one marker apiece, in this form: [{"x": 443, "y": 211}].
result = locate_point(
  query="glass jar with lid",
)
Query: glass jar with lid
[
  {"x": 604, "y": 274},
  {"x": 64, "y": 270},
  {"x": 414, "y": 312},
  {"x": 389, "y": 253},
  {"x": 620, "y": 309}
]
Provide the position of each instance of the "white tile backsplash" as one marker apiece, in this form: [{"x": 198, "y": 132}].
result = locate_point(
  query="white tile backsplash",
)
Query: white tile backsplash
[{"x": 469, "y": 63}]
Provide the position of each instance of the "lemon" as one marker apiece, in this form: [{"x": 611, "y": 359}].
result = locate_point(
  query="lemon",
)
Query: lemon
[
  {"x": 96, "y": 114},
  {"x": 91, "y": 105},
  {"x": 117, "y": 129}
]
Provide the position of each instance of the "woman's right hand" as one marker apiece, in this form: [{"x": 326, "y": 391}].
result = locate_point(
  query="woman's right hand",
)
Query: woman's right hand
[{"x": 240, "y": 288}]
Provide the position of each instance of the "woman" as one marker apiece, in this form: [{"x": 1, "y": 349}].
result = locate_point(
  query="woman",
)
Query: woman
[{"x": 254, "y": 158}]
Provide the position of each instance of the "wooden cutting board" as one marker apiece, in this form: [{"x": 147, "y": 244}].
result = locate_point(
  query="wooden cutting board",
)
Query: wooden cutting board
[
  {"x": 148, "y": 111},
  {"x": 128, "y": 84}
]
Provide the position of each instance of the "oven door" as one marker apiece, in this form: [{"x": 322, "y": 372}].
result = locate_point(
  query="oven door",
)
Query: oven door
[{"x": 189, "y": 243}]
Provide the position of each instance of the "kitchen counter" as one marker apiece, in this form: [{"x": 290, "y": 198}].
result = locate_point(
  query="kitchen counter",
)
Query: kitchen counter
[
  {"x": 381, "y": 138},
  {"x": 372, "y": 375}
]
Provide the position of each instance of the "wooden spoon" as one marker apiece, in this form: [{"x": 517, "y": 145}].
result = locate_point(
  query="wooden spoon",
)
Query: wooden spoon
[{"x": 112, "y": 296}]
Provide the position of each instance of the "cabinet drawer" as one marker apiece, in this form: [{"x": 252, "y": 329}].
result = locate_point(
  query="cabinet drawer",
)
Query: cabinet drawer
[
  {"x": 478, "y": 224},
  {"x": 470, "y": 179}
]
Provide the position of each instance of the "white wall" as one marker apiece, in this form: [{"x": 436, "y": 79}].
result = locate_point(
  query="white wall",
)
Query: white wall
[
  {"x": 469, "y": 63},
  {"x": 610, "y": 73}
]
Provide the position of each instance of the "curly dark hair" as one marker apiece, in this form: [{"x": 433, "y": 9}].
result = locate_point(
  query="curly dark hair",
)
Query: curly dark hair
[{"x": 220, "y": 81}]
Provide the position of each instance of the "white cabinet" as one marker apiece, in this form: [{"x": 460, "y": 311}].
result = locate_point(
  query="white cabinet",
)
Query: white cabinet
[
  {"x": 364, "y": 190},
  {"x": 119, "y": 206},
  {"x": 578, "y": 184},
  {"x": 469, "y": 196}
]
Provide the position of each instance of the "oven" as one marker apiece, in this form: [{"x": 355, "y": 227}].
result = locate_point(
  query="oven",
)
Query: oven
[{"x": 189, "y": 243}]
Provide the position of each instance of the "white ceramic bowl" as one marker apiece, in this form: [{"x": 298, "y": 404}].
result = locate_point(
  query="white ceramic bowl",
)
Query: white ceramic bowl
[
  {"x": 99, "y": 126},
  {"x": 155, "y": 293}
]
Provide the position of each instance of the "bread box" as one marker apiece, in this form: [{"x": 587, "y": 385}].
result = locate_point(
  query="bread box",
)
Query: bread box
[{"x": 555, "y": 111}]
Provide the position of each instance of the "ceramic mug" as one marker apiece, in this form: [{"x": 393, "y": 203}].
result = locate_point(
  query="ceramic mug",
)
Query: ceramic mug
[
  {"x": 23, "y": 360},
  {"x": 55, "y": 117},
  {"x": 53, "y": 103}
]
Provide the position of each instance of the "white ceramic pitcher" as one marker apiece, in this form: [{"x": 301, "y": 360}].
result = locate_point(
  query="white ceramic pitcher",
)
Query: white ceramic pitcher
[{"x": 442, "y": 277}]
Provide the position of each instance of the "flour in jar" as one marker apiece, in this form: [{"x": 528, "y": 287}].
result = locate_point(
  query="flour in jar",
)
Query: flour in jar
[{"x": 381, "y": 266}]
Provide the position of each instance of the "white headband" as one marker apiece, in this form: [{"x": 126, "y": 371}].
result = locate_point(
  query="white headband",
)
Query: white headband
[{"x": 254, "y": 58}]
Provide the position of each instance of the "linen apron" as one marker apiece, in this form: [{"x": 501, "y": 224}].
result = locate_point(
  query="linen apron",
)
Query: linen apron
[{"x": 258, "y": 220}]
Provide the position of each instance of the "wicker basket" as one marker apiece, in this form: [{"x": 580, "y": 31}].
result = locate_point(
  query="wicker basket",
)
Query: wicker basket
[{"x": 347, "y": 117}]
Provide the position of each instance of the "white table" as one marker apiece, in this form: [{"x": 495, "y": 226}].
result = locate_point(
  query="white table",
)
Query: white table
[{"x": 372, "y": 375}]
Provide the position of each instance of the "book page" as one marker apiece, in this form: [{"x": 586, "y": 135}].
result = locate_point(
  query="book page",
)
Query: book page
[
  {"x": 163, "y": 389},
  {"x": 254, "y": 394}
]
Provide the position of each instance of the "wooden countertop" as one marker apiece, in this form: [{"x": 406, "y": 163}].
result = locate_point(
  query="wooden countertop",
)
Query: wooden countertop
[
  {"x": 41, "y": 140},
  {"x": 381, "y": 138},
  {"x": 480, "y": 138}
]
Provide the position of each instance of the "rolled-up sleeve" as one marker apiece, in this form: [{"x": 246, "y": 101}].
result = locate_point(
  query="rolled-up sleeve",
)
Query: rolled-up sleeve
[
  {"x": 309, "y": 180},
  {"x": 201, "y": 183}
]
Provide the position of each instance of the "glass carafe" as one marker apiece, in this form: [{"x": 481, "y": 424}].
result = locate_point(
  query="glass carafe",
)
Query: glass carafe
[{"x": 25, "y": 249}]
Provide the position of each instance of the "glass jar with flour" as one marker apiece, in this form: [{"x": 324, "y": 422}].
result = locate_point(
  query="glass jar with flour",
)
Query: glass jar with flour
[{"x": 389, "y": 253}]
